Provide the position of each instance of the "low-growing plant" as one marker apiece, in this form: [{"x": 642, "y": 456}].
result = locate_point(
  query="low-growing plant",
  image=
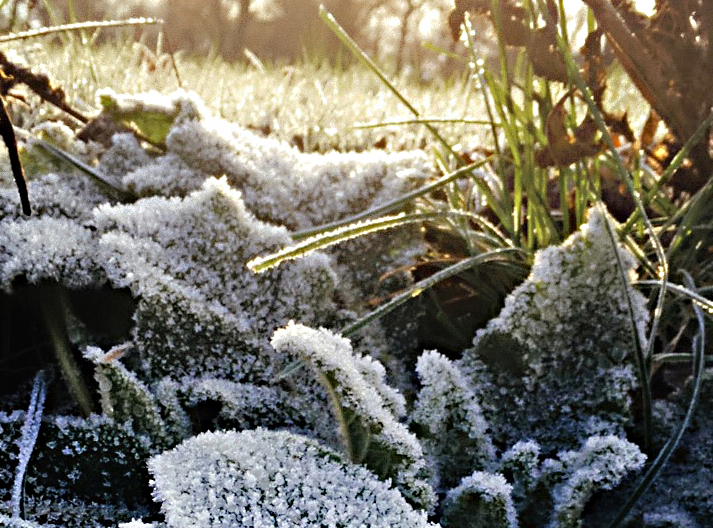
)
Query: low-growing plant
[{"x": 544, "y": 395}]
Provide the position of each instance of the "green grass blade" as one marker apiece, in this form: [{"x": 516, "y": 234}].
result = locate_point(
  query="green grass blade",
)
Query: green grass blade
[
  {"x": 343, "y": 36},
  {"x": 676, "y": 162},
  {"x": 335, "y": 236},
  {"x": 698, "y": 356},
  {"x": 399, "y": 202},
  {"x": 427, "y": 283}
]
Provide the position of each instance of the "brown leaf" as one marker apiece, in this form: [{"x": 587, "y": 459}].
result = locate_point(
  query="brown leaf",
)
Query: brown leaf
[{"x": 562, "y": 148}]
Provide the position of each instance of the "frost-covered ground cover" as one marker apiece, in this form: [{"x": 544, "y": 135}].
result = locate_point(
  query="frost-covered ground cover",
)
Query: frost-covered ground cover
[{"x": 226, "y": 398}]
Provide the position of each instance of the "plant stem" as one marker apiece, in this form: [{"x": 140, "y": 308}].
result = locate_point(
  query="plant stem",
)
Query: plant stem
[{"x": 52, "y": 304}]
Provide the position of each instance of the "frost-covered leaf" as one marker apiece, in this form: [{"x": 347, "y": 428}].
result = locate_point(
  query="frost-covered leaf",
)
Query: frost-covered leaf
[
  {"x": 270, "y": 479},
  {"x": 370, "y": 432},
  {"x": 481, "y": 499},
  {"x": 185, "y": 260},
  {"x": 560, "y": 354},
  {"x": 450, "y": 422},
  {"x": 48, "y": 249},
  {"x": 126, "y": 399},
  {"x": 600, "y": 464}
]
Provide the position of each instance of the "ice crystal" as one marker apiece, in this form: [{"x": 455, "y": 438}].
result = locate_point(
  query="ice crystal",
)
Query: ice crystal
[
  {"x": 447, "y": 412},
  {"x": 368, "y": 425},
  {"x": 481, "y": 499},
  {"x": 271, "y": 479}
]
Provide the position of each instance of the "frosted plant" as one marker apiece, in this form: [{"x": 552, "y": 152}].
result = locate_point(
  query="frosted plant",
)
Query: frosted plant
[
  {"x": 370, "y": 431},
  {"x": 56, "y": 194},
  {"x": 123, "y": 156},
  {"x": 126, "y": 399},
  {"x": 600, "y": 464},
  {"x": 284, "y": 186},
  {"x": 48, "y": 249},
  {"x": 522, "y": 462},
  {"x": 271, "y": 479},
  {"x": 451, "y": 425},
  {"x": 185, "y": 260},
  {"x": 560, "y": 354},
  {"x": 481, "y": 499}
]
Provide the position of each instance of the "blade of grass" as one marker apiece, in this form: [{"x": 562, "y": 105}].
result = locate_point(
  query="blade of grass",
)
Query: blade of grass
[
  {"x": 396, "y": 203},
  {"x": 698, "y": 357},
  {"x": 696, "y": 298},
  {"x": 676, "y": 162},
  {"x": 343, "y": 36},
  {"x": 424, "y": 121},
  {"x": 642, "y": 361},
  {"x": 427, "y": 283},
  {"x": 97, "y": 176},
  {"x": 341, "y": 234},
  {"x": 78, "y": 26}
]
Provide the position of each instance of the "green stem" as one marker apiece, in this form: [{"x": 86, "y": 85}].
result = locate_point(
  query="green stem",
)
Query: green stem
[{"x": 52, "y": 304}]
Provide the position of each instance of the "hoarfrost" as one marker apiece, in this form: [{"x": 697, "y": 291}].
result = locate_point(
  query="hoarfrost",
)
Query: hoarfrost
[
  {"x": 265, "y": 478},
  {"x": 335, "y": 363},
  {"x": 48, "y": 249},
  {"x": 453, "y": 430},
  {"x": 560, "y": 355},
  {"x": 481, "y": 499}
]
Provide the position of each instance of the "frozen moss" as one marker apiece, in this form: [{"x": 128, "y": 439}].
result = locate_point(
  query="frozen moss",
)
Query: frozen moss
[{"x": 271, "y": 479}]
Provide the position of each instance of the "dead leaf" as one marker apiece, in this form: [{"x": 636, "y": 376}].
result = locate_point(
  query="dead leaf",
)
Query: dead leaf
[{"x": 562, "y": 147}]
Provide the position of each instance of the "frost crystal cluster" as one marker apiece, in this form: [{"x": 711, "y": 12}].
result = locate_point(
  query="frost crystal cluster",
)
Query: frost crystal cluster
[{"x": 269, "y": 479}]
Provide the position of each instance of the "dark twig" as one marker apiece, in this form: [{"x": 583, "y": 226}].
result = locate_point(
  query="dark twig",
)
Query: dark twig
[{"x": 8, "y": 137}]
